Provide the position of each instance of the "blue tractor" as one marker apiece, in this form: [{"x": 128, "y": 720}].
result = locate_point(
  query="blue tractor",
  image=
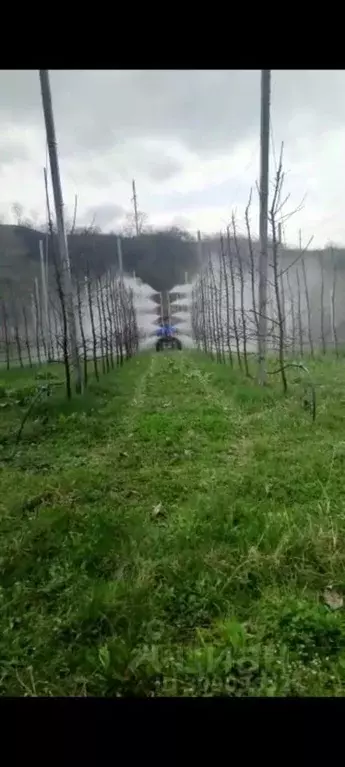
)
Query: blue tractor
[{"x": 167, "y": 338}]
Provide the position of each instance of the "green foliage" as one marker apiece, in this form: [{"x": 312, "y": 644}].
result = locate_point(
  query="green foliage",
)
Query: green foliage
[{"x": 173, "y": 532}]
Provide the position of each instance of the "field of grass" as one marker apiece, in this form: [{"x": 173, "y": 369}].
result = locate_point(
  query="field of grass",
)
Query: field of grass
[{"x": 173, "y": 532}]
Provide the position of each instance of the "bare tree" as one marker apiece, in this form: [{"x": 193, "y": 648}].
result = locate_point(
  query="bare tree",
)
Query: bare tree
[
  {"x": 57, "y": 330},
  {"x": 100, "y": 325},
  {"x": 82, "y": 333},
  {"x": 322, "y": 304},
  {"x": 299, "y": 314},
  {"x": 6, "y": 335},
  {"x": 275, "y": 253},
  {"x": 227, "y": 299},
  {"x": 233, "y": 289},
  {"x": 292, "y": 310},
  {"x": 36, "y": 311},
  {"x": 16, "y": 332},
  {"x": 333, "y": 305},
  {"x": 243, "y": 314},
  {"x": 27, "y": 338},
  {"x": 116, "y": 322},
  {"x": 214, "y": 329},
  {"x": 135, "y": 226},
  {"x": 92, "y": 320},
  {"x": 306, "y": 298},
  {"x": 220, "y": 309},
  {"x": 252, "y": 262},
  {"x": 110, "y": 319},
  {"x": 18, "y": 211}
]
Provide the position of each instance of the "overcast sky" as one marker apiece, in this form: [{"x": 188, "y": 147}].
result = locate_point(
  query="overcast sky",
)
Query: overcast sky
[{"x": 190, "y": 138}]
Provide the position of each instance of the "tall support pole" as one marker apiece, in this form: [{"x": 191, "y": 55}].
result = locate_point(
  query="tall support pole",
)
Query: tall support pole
[
  {"x": 38, "y": 306},
  {"x": 135, "y": 203},
  {"x": 199, "y": 249},
  {"x": 119, "y": 255},
  {"x": 120, "y": 262},
  {"x": 264, "y": 180},
  {"x": 331, "y": 304},
  {"x": 86, "y": 294},
  {"x": 61, "y": 230},
  {"x": 45, "y": 300}
]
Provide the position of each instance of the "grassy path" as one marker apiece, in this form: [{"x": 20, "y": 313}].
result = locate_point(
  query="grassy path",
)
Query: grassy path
[{"x": 173, "y": 536}]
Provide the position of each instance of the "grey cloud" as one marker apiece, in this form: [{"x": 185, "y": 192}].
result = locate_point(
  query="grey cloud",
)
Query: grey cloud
[
  {"x": 181, "y": 222},
  {"x": 11, "y": 150},
  {"x": 103, "y": 215},
  {"x": 86, "y": 173},
  {"x": 206, "y": 110},
  {"x": 163, "y": 168},
  {"x": 133, "y": 157}
]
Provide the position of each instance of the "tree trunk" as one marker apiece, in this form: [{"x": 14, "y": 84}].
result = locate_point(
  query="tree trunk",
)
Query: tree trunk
[
  {"x": 27, "y": 340},
  {"x": 322, "y": 305},
  {"x": 243, "y": 314},
  {"x": 233, "y": 288},
  {"x": 333, "y": 307},
  {"x": 227, "y": 302},
  {"x": 308, "y": 308},
  {"x": 92, "y": 322},
  {"x": 299, "y": 314},
  {"x": 293, "y": 316},
  {"x": 82, "y": 334},
  {"x": 6, "y": 338}
]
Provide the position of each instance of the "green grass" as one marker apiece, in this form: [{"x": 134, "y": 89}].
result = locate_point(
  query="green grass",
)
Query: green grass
[{"x": 172, "y": 532}]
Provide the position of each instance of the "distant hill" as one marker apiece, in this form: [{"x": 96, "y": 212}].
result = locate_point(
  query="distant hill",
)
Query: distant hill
[{"x": 159, "y": 259}]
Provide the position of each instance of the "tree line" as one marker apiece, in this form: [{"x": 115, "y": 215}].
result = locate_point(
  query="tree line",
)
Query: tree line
[
  {"x": 225, "y": 307},
  {"x": 34, "y": 328},
  {"x": 159, "y": 258}
]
